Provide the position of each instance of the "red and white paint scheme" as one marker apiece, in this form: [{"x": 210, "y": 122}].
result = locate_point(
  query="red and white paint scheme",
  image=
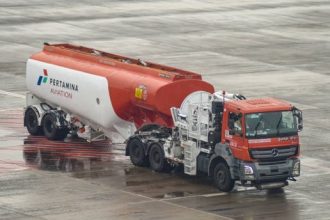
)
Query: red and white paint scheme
[
  {"x": 166, "y": 116},
  {"x": 107, "y": 91},
  {"x": 88, "y": 97}
]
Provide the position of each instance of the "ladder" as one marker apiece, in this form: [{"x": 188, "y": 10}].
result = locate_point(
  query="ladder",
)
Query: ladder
[{"x": 190, "y": 154}]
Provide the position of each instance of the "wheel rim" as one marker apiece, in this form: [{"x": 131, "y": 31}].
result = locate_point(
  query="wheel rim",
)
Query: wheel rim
[{"x": 221, "y": 176}]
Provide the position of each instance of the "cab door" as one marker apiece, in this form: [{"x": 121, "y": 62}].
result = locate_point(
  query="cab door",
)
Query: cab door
[{"x": 234, "y": 132}]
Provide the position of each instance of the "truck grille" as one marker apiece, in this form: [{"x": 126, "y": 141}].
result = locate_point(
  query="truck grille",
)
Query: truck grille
[{"x": 276, "y": 153}]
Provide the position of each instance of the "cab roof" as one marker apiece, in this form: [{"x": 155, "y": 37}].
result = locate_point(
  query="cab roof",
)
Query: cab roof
[{"x": 259, "y": 105}]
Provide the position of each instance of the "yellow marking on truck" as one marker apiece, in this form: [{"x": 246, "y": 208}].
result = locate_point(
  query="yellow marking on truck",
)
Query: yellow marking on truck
[{"x": 138, "y": 93}]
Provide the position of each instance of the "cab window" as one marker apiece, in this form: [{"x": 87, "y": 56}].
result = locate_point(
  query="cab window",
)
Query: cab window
[{"x": 235, "y": 123}]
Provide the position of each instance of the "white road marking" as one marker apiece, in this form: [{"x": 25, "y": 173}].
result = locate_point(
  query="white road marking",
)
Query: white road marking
[
  {"x": 245, "y": 188},
  {"x": 10, "y": 109},
  {"x": 3, "y": 92},
  {"x": 180, "y": 197},
  {"x": 214, "y": 194},
  {"x": 192, "y": 196}
]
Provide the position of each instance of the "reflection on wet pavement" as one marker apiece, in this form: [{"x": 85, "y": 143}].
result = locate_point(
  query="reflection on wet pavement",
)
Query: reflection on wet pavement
[
  {"x": 69, "y": 156},
  {"x": 104, "y": 164},
  {"x": 97, "y": 160}
]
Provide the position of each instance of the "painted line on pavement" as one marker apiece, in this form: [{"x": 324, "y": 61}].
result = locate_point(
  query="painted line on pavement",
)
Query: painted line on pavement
[
  {"x": 16, "y": 95},
  {"x": 214, "y": 194},
  {"x": 10, "y": 109}
]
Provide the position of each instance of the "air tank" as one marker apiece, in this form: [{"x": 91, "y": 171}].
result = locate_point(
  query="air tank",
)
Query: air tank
[{"x": 109, "y": 91}]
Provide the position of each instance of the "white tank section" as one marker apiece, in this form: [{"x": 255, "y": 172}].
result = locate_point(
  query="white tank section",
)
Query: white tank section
[
  {"x": 78, "y": 93},
  {"x": 197, "y": 97}
]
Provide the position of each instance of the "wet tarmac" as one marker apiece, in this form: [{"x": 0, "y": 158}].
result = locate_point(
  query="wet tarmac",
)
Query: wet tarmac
[{"x": 257, "y": 48}]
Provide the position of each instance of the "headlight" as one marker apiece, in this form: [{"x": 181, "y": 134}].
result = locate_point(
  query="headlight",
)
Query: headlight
[
  {"x": 248, "y": 170},
  {"x": 296, "y": 169},
  {"x": 248, "y": 173}
]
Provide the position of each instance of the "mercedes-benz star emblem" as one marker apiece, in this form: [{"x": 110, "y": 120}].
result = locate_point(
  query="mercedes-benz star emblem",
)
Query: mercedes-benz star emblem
[{"x": 275, "y": 152}]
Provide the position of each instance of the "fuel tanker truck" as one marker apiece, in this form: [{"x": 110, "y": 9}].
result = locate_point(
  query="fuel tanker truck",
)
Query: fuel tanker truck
[{"x": 166, "y": 116}]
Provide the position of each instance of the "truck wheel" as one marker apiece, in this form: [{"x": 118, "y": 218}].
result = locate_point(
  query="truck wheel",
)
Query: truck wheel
[
  {"x": 31, "y": 122},
  {"x": 222, "y": 177},
  {"x": 50, "y": 128},
  {"x": 157, "y": 158},
  {"x": 136, "y": 152}
]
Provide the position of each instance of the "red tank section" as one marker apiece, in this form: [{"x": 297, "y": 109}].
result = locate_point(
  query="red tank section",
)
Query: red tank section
[{"x": 140, "y": 91}]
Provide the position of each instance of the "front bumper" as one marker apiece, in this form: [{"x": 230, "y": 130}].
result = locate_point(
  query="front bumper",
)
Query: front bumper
[{"x": 269, "y": 171}]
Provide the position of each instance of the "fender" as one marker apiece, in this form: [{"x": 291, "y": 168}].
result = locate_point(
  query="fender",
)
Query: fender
[{"x": 222, "y": 152}]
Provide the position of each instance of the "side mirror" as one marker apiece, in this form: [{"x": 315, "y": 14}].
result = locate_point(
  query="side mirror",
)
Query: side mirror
[{"x": 298, "y": 114}]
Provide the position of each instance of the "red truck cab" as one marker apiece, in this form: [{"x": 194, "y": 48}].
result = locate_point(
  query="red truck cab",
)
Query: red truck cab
[{"x": 262, "y": 135}]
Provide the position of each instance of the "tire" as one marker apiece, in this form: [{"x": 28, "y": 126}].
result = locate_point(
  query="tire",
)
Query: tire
[
  {"x": 222, "y": 178},
  {"x": 157, "y": 158},
  {"x": 50, "y": 129},
  {"x": 31, "y": 122},
  {"x": 136, "y": 152}
]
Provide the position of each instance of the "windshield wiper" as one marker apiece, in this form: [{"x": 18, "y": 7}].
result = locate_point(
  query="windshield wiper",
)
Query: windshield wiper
[
  {"x": 278, "y": 125},
  {"x": 257, "y": 125}
]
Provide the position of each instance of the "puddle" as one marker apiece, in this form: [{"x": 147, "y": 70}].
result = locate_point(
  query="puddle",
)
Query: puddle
[{"x": 69, "y": 156}]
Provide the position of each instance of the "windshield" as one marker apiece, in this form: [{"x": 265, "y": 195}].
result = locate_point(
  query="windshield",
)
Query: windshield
[{"x": 270, "y": 124}]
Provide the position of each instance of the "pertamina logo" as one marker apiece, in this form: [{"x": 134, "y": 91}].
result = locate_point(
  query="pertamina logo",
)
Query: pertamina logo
[
  {"x": 43, "y": 79},
  {"x": 58, "y": 87}
]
